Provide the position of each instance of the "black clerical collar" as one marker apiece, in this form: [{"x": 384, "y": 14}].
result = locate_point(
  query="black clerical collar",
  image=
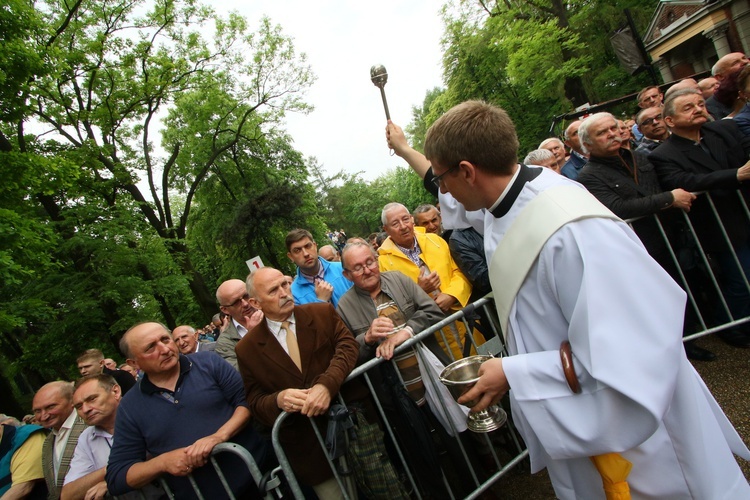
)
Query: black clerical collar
[{"x": 525, "y": 175}]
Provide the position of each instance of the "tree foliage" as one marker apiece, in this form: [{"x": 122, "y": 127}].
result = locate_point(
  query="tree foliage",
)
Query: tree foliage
[
  {"x": 354, "y": 204},
  {"x": 123, "y": 124},
  {"x": 534, "y": 59}
]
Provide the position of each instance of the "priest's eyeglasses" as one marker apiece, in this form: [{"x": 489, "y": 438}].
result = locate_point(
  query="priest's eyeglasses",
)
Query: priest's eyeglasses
[
  {"x": 437, "y": 178},
  {"x": 370, "y": 264}
]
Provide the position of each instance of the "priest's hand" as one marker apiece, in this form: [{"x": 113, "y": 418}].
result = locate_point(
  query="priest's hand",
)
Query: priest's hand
[
  {"x": 396, "y": 139},
  {"x": 491, "y": 386},
  {"x": 318, "y": 400}
]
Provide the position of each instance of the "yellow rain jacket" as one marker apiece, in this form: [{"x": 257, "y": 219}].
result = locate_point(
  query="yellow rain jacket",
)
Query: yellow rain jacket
[{"x": 437, "y": 256}]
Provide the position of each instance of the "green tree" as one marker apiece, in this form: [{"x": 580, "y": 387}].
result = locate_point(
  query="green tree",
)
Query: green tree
[
  {"x": 118, "y": 72},
  {"x": 535, "y": 59},
  {"x": 249, "y": 208},
  {"x": 138, "y": 110},
  {"x": 355, "y": 204}
]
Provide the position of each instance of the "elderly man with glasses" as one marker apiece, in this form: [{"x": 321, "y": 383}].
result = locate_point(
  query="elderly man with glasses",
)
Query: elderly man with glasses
[{"x": 234, "y": 302}]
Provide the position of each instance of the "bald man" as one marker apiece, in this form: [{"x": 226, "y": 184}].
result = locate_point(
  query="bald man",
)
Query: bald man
[
  {"x": 730, "y": 64},
  {"x": 181, "y": 409},
  {"x": 295, "y": 361},
  {"x": 234, "y": 302},
  {"x": 708, "y": 86}
]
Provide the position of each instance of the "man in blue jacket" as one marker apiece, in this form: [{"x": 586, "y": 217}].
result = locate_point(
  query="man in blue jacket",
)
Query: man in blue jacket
[{"x": 317, "y": 279}]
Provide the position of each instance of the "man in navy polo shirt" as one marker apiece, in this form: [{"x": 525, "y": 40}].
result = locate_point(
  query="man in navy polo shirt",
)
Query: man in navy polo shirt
[{"x": 169, "y": 423}]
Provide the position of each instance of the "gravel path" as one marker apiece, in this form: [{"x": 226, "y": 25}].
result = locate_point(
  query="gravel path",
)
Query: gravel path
[{"x": 726, "y": 377}]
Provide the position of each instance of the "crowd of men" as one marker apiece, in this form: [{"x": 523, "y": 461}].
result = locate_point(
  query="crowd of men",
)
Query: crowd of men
[
  {"x": 287, "y": 343},
  {"x": 685, "y": 141}
]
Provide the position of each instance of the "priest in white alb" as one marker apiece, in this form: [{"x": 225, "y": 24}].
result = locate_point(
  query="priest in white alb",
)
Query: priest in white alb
[{"x": 600, "y": 387}]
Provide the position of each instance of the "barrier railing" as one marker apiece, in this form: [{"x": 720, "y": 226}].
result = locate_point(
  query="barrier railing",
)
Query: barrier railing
[
  {"x": 270, "y": 488},
  {"x": 467, "y": 447},
  {"x": 709, "y": 293}
]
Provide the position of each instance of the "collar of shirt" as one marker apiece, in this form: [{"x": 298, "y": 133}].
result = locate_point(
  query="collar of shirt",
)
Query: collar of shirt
[
  {"x": 279, "y": 333},
  {"x": 413, "y": 253},
  {"x": 98, "y": 432},
  {"x": 149, "y": 388},
  {"x": 241, "y": 330},
  {"x": 320, "y": 275},
  {"x": 67, "y": 425},
  {"x": 507, "y": 188}
]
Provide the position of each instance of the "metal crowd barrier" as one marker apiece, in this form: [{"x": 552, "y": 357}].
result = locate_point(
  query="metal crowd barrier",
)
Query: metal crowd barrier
[
  {"x": 271, "y": 487},
  {"x": 479, "y": 480},
  {"x": 706, "y": 326}
]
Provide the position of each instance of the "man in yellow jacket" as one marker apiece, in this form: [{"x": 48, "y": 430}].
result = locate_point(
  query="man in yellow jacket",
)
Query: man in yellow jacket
[{"x": 426, "y": 259}]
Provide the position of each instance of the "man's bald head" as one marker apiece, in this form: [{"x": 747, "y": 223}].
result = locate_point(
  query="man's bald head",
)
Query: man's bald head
[
  {"x": 53, "y": 404},
  {"x": 687, "y": 83},
  {"x": 571, "y": 136},
  {"x": 730, "y": 63},
  {"x": 708, "y": 86},
  {"x": 225, "y": 288},
  {"x": 149, "y": 346},
  {"x": 329, "y": 253},
  {"x": 234, "y": 300}
]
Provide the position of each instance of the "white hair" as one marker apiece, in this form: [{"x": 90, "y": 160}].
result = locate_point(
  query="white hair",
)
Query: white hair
[
  {"x": 583, "y": 131},
  {"x": 390, "y": 206}
]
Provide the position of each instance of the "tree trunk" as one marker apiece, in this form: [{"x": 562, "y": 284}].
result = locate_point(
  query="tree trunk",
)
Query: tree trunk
[
  {"x": 205, "y": 299},
  {"x": 574, "y": 89}
]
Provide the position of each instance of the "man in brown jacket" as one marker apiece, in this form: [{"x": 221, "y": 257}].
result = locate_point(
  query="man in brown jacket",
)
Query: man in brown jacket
[{"x": 295, "y": 361}]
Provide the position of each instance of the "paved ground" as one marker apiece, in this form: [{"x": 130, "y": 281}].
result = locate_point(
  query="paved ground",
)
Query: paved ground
[{"x": 727, "y": 378}]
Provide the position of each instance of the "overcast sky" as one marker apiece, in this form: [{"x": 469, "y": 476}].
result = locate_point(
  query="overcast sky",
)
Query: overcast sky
[{"x": 342, "y": 41}]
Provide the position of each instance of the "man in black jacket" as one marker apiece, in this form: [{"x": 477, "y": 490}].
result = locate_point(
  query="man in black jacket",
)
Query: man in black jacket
[
  {"x": 703, "y": 156},
  {"x": 626, "y": 183}
]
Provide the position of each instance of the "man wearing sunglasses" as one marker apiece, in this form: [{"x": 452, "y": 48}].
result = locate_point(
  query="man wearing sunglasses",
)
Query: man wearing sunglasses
[
  {"x": 241, "y": 316},
  {"x": 651, "y": 123}
]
